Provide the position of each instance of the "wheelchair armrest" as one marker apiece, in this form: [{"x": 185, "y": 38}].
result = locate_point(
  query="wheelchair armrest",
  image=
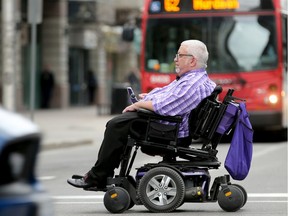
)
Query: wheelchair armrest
[{"x": 150, "y": 114}]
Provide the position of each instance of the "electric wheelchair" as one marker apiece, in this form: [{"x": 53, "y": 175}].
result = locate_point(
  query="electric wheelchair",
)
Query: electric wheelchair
[{"x": 183, "y": 174}]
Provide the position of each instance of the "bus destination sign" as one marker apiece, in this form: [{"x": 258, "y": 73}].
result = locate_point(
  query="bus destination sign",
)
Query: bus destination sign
[{"x": 178, "y": 6}]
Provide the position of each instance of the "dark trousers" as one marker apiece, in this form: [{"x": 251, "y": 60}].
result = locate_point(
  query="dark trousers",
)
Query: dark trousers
[{"x": 113, "y": 144}]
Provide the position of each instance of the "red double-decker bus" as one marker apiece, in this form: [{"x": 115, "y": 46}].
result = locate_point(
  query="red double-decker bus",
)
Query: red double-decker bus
[{"x": 247, "y": 44}]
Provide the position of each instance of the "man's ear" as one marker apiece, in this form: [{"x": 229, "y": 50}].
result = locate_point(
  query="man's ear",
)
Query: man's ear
[{"x": 193, "y": 62}]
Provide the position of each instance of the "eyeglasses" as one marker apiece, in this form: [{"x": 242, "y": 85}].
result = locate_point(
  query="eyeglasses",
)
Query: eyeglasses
[{"x": 179, "y": 55}]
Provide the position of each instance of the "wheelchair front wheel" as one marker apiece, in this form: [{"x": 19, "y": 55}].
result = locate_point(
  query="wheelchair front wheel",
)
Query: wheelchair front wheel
[
  {"x": 161, "y": 189},
  {"x": 231, "y": 198},
  {"x": 244, "y": 192},
  {"x": 117, "y": 200}
]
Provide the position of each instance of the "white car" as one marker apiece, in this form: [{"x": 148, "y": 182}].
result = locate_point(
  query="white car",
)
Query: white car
[{"x": 20, "y": 192}]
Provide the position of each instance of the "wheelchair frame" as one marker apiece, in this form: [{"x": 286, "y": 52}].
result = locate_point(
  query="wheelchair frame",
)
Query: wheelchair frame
[{"x": 189, "y": 179}]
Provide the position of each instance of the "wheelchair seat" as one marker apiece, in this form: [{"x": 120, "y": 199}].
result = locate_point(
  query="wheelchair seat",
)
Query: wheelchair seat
[{"x": 204, "y": 122}]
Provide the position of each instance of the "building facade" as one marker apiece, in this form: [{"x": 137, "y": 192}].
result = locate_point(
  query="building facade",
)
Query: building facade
[{"x": 73, "y": 37}]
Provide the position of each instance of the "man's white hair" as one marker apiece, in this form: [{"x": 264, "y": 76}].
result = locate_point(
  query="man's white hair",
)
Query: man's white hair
[{"x": 199, "y": 50}]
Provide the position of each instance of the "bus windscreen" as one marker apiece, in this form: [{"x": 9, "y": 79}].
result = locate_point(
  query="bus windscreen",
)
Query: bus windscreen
[{"x": 235, "y": 43}]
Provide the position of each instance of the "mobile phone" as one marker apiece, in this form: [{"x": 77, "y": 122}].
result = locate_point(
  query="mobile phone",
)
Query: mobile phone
[{"x": 132, "y": 95}]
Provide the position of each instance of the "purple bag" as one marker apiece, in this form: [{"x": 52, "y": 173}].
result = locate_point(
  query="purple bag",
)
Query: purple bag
[
  {"x": 228, "y": 118},
  {"x": 239, "y": 157}
]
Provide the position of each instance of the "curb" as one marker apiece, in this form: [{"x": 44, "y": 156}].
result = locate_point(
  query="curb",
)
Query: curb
[{"x": 64, "y": 144}]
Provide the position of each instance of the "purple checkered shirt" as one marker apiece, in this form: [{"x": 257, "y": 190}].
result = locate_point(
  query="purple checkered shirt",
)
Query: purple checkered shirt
[{"x": 181, "y": 96}]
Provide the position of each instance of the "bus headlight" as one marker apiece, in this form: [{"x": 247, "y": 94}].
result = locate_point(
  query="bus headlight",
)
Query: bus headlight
[{"x": 273, "y": 99}]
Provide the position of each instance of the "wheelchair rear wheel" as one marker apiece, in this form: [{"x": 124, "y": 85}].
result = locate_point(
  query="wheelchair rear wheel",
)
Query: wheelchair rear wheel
[{"x": 161, "y": 189}]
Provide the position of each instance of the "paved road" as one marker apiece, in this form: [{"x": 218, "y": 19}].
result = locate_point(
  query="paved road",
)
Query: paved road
[{"x": 266, "y": 184}]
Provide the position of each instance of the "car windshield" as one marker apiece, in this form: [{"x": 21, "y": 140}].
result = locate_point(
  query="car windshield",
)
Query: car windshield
[{"x": 235, "y": 43}]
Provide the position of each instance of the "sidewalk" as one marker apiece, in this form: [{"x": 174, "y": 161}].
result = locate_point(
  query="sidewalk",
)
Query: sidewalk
[{"x": 69, "y": 127}]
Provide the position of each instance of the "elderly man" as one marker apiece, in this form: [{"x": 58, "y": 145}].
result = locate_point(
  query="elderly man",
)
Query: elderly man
[{"x": 177, "y": 98}]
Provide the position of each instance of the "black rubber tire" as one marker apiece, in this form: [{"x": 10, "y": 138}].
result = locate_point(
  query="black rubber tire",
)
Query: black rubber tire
[
  {"x": 117, "y": 200},
  {"x": 244, "y": 192},
  {"x": 159, "y": 196},
  {"x": 231, "y": 199},
  {"x": 132, "y": 204}
]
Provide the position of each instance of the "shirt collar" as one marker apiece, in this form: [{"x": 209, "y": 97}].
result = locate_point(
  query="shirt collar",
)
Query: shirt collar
[{"x": 191, "y": 71}]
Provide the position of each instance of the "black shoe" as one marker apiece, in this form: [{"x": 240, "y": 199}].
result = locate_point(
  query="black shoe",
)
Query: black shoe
[{"x": 83, "y": 182}]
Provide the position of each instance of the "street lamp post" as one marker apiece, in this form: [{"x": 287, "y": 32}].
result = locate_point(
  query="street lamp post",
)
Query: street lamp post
[{"x": 34, "y": 17}]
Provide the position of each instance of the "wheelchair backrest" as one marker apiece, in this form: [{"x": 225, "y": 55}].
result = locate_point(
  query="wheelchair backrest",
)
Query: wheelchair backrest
[{"x": 213, "y": 118}]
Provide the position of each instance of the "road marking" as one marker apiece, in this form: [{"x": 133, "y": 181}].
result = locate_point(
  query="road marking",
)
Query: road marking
[
  {"x": 44, "y": 178},
  {"x": 60, "y": 200},
  {"x": 79, "y": 197},
  {"x": 271, "y": 195},
  {"x": 250, "y": 195},
  {"x": 69, "y": 203},
  {"x": 93, "y": 203},
  {"x": 267, "y": 201}
]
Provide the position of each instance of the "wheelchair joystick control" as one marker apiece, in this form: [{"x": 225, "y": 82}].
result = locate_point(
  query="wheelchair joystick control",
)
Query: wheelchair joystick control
[{"x": 132, "y": 95}]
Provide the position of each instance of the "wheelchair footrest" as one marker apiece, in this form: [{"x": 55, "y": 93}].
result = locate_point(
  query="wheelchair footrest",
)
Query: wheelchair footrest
[
  {"x": 75, "y": 176},
  {"x": 95, "y": 189}
]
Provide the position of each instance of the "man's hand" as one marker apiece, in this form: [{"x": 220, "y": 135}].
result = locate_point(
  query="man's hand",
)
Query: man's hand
[
  {"x": 140, "y": 104},
  {"x": 142, "y": 95},
  {"x": 130, "y": 108}
]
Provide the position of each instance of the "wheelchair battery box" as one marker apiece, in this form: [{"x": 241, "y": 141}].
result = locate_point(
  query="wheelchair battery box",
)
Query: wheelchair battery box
[
  {"x": 228, "y": 118},
  {"x": 162, "y": 131}
]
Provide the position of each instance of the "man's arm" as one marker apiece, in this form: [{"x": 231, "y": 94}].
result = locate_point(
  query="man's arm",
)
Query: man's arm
[{"x": 140, "y": 104}]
